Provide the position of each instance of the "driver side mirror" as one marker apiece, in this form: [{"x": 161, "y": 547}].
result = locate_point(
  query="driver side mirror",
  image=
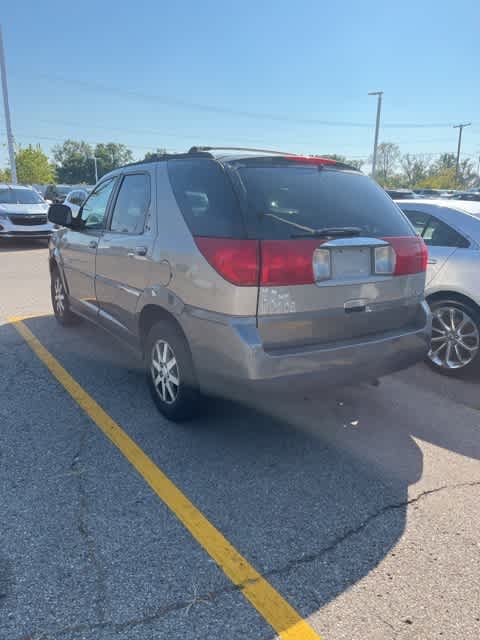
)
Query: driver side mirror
[{"x": 60, "y": 214}]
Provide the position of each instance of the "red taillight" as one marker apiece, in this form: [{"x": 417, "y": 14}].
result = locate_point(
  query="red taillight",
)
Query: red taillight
[
  {"x": 310, "y": 160},
  {"x": 411, "y": 255},
  {"x": 235, "y": 260},
  {"x": 264, "y": 263},
  {"x": 285, "y": 262}
]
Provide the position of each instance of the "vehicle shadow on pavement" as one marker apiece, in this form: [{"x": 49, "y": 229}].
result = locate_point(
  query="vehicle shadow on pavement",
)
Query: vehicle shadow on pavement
[{"x": 312, "y": 490}]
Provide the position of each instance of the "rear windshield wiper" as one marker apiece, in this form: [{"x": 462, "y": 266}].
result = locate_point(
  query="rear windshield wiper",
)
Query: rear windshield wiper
[
  {"x": 290, "y": 222},
  {"x": 327, "y": 232}
]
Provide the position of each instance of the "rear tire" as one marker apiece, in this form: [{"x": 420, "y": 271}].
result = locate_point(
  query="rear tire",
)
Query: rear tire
[
  {"x": 60, "y": 302},
  {"x": 455, "y": 349},
  {"x": 170, "y": 373}
]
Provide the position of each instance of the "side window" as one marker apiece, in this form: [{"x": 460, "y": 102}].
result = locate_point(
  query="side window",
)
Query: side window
[
  {"x": 439, "y": 234},
  {"x": 95, "y": 208},
  {"x": 418, "y": 219},
  {"x": 132, "y": 204},
  {"x": 206, "y": 198}
]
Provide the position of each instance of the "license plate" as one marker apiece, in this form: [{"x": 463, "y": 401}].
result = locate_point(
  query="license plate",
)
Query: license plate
[{"x": 351, "y": 262}]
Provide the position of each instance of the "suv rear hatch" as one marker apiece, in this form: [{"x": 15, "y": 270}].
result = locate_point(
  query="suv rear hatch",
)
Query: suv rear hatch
[
  {"x": 332, "y": 257},
  {"x": 338, "y": 260}
]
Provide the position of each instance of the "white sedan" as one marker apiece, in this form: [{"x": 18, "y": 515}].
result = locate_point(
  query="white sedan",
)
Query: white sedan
[{"x": 451, "y": 230}]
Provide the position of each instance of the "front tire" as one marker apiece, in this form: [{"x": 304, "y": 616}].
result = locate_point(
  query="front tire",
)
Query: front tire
[
  {"x": 170, "y": 373},
  {"x": 60, "y": 301},
  {"x": 455, "y": 348}
]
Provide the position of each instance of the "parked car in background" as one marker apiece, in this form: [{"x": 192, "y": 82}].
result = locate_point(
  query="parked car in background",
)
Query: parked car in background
[
  {"x": 401, "y": 194},
  {"x": 23, "y": 213},
  {"x": 76, "y": 198},
  {"x": 428, "y": 193},
  {"x": 227, "y": 271},
  {"x": 452, "y": 234},
  {"x": 57, "y": 193},
  {"x": 41, "y": 188},
  {"x": 469, "y": 196}
]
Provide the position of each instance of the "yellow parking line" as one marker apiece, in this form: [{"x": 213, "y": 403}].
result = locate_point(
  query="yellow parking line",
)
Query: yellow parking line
[{"x": 287, "y": 622}]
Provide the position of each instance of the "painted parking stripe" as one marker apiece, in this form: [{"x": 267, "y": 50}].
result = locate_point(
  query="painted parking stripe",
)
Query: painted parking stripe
[{"x": 284, "y": 619}]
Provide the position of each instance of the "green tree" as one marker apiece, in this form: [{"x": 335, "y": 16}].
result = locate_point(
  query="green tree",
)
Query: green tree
[
  {"x": 4, "y": 175},
  {"x": 33, "y": 166},
  {"x": 467, "y": 175},
  {"x": 388, "y": 155},
  {"x": 415, "y": 169},
  {"x": 445, "y": 179},
  {"x": 111, "y": 155},
  {"x": 445, "y": 162},
  {"x": 74, "y": 162},
  {"x": 152, "y": 155}
]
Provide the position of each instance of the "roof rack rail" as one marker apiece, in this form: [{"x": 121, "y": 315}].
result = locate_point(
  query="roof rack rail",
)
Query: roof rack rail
[
  {"x": 158, "y": 157},
  {"x": 279, "y": 153}
]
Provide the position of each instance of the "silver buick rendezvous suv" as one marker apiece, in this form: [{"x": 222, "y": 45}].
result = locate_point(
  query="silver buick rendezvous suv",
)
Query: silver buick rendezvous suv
[{"x": 262, "y": 269}]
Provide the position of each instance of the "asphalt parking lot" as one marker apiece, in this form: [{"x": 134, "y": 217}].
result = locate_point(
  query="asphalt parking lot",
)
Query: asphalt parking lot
[{"x": 360, "y": 509}]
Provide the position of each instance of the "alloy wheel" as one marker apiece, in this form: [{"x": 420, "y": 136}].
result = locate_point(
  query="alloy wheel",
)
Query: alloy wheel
[
  {"x": 59, "y": 296},
  {"x": 164, "y": 371},
  {"x": 455, "y": 338}
]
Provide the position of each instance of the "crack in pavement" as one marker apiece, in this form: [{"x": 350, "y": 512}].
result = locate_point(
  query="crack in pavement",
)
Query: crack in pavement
[
  {"x": 211, "y": 596},
  {"x": 312, "y": 557},
  {"x": 77, "y": 469}
]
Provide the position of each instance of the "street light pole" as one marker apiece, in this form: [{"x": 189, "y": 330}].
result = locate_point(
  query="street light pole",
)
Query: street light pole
[
  {"x": 460, "y": 128},
  {"x": 6, "y": 106},
  {"x": 96, "y": 169},
  {"x": 379, "y": 95}
]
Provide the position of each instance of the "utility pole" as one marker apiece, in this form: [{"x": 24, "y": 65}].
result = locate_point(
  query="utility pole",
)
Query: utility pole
[
  {"x": 379, "y": 95},
  {"x": 460, "y": 128},
  {"x": 96, "y": 169},
  {"x": 8, "y": 124}
]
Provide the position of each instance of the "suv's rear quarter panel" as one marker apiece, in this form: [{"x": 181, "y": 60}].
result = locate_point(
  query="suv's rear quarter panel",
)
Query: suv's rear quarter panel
[{"x": 193, "y": 279}]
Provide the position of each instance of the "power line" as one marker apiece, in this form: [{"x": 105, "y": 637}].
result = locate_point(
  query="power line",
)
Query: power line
[{"x": 210, "y": 108}]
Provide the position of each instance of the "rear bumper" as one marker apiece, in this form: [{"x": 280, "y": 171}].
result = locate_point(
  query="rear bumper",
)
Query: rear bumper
[{"x": 229, "y": 352}]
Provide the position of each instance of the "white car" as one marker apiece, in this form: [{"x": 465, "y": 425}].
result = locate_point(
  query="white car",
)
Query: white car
[
  {"x": 451, "y": 230},
  {"x": 23, "y": 213},
  {"x": 76, "y": 198}
]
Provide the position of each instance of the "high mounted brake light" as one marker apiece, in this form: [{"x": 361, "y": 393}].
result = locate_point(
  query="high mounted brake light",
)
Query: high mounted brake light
[{"x": 310, "y": 160}]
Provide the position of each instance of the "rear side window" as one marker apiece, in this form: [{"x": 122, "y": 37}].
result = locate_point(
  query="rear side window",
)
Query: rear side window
[
  {"x": 283, "y": 201},
  {"x": 418, "y": 219},
  {"x": 206, "y": 198},
  {"x": 439, "y": 234}
]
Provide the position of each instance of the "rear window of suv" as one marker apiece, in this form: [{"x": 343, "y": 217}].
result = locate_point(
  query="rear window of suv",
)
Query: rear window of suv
[
  {"x": 282, "y": 201},
  {"x": 275, "y": 200}
]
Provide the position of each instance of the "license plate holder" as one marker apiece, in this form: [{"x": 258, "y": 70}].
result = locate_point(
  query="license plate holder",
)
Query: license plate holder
[{"x": 351, "y": 262}]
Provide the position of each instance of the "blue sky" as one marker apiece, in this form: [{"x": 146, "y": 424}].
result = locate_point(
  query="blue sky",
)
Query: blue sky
[{"x": 277, "y": 74}]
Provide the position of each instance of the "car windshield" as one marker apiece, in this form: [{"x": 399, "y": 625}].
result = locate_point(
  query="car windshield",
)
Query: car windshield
[{"x": 20, "y": 196}]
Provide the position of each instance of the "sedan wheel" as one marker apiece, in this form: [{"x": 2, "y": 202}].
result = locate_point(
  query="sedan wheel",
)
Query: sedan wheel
[{"x": 455, "y": 338}]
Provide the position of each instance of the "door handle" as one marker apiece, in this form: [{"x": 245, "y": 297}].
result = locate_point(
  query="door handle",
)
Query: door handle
[
  {"x": 432, "y": 261},
  {"x": 92, "y": 244},
  {"x": 138, "y": 251}
]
